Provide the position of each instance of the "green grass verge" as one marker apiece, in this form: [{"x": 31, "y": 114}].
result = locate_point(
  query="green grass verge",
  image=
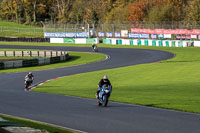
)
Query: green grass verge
[
  {"x": 14, "y": 58},
  {"x": 172, "y": 84},
  {"x": 36, "y": 125},
  {"x": 27, "y": 34},
  {"x": 76, "y": 58},
  {"x": 14, "y": 25},
  {"x": 18, "y": 49}
]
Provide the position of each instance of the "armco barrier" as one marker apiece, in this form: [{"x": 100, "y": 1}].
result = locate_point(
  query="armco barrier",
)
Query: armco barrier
[
  {"x": 8, "y": 39},
  {"x": 36, "y": 61}
]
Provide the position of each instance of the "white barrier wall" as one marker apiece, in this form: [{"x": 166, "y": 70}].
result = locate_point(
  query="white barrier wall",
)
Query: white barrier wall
[
  {"x": 150, "y": 42},
  {"x": 80, "y": 41},
  {"x": 120, "y": 41},
  {"x": 56, "y": 40},
  {"x": 75, "y": 40},
  {"x": 197, "y": 43}
]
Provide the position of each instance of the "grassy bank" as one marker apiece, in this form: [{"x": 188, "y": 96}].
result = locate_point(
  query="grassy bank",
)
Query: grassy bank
[
  {"x": 172, "y": 84},
  {"x": 10, "y": 29}
]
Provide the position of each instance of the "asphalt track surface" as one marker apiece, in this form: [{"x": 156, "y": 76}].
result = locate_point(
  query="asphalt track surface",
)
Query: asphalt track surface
[{"x": 83, "y": 114}]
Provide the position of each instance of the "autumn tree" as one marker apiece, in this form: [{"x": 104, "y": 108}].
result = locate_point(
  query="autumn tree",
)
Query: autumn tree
[
  {"x": 138, "y": 11},
  {"x": 8, "y": 9},
  {"x": 120, "y": 11},
  {"x": 193, "y": 14}
]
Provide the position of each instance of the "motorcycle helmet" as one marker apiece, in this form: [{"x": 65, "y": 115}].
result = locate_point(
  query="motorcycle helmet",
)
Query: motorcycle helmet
[
  {"x": 105, "y": 77},
  {"x": 30, "y": 73}
]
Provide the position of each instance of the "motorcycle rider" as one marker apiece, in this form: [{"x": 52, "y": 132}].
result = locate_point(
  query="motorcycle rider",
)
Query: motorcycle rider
[
  {"x": 30, "y": 76},
  {"x": 93, "y": 46},
  {"x": 103, "y": 81}
]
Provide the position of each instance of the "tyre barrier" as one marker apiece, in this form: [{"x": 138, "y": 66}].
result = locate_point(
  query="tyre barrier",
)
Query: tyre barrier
[
  {"x": 38, "y": 61},
  {"x": 22, "y": 39},
  {"x": 30, "y": 62}
]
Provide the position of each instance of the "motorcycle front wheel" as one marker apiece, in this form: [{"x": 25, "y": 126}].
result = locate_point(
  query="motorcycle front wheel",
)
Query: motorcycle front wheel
[{"x": 105, "y": 102}]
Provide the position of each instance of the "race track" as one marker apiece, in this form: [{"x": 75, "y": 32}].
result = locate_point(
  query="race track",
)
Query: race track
[{"x": 83, "y": 114}]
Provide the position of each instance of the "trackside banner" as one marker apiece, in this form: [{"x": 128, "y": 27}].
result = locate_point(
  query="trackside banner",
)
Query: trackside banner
[
  {"x": 66, "y": 35},
  {"x": 137, "y": 35},
  {"x": 166, "y": 31}
]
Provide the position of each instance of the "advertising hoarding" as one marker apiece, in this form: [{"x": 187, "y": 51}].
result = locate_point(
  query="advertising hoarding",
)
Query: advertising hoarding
[
  {"x": 117, "y": 35},
  {"x": 65, "y": 35},
  {"x": 154, "y": 36},
  {"x": 108, "y": 34},
  {"x": 82, "y": 35},
  {"x": 166, "y": 31},
  {"x": 100, "y": 34},
  {"x": 137, "y": 35}
]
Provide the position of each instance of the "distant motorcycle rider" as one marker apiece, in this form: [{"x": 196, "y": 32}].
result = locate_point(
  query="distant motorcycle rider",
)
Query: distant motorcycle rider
[
  {"x": 30, "y": 76},
  {"x": 103, "y": 81},
  {"x": 94, "y": 47}
]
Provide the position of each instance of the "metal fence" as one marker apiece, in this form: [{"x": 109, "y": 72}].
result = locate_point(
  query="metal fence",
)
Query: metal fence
[{"x": 102, "y": 27}]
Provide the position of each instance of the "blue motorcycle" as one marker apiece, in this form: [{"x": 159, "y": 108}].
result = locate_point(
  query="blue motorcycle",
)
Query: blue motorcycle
[{"x": 104, "y": 95}]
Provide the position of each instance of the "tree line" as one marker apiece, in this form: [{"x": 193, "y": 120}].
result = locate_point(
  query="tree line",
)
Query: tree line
[{"x": 94, "y": 11}]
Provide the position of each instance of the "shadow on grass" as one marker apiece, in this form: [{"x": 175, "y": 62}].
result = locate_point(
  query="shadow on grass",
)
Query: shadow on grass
[
  {"x": 156, "y": 105},
  {"x": 73, "y": 58}
]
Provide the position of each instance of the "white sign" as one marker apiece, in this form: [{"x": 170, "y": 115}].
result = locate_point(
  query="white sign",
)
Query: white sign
[
  {"x": 124, "y": 33},
  {"x": 167, "y": 36},
  {"x": 194, "y": 36}
]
